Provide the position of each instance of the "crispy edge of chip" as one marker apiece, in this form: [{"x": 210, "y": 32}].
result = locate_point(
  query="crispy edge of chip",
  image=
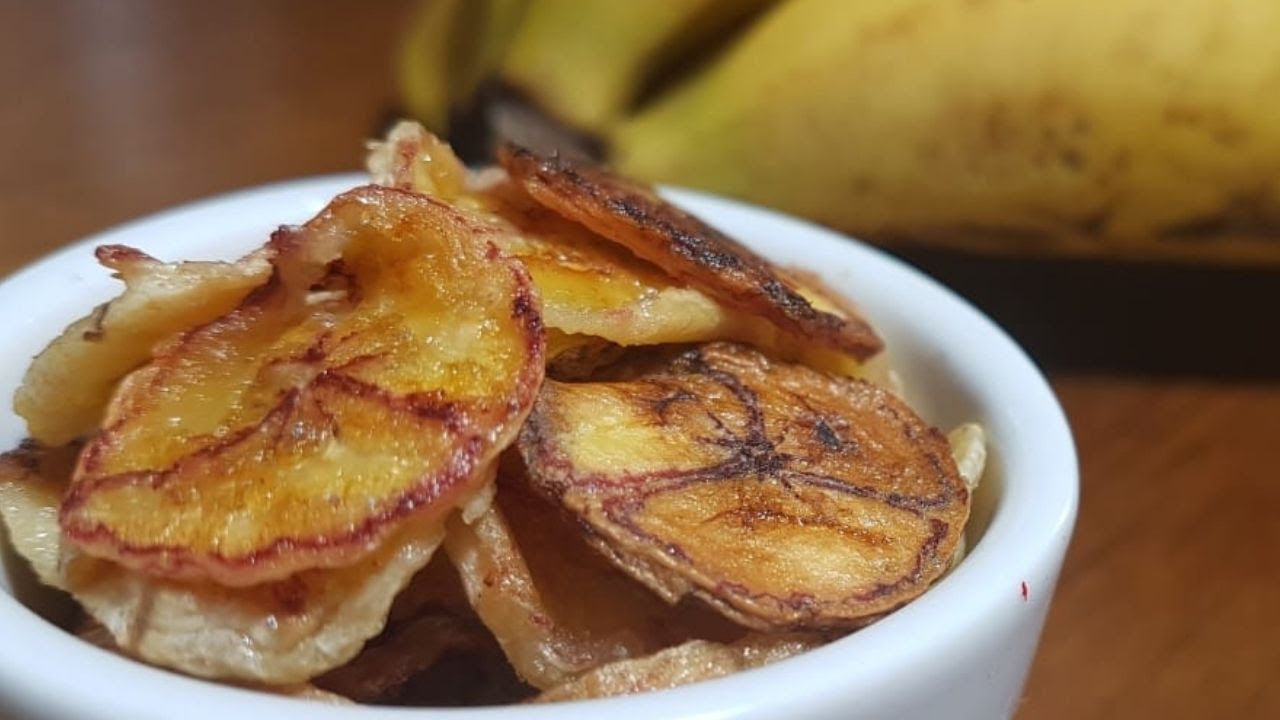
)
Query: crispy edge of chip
[
  {"x": 326, "y": 551},
  {"x": 663, "y": 572},
  {"x": 634, "y": 216}
]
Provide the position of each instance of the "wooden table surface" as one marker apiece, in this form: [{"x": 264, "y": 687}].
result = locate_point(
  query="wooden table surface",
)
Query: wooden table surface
[{"x": 1169, "y": 600}]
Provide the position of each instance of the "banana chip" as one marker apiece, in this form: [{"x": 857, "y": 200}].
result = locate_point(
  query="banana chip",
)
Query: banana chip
[
  {"x": 691, "y": 662},
  {"x": 786, "y": 498},
  {"x": 630, "y": 289},
  {"x": 633, "y": 216},
  {"x": 392, "y": 354},
  {"x": 554, "y": 604},
  {"x": 93, "y": 353},
  {"x": 280, "y": 632},
  {"x": 589, "y": 285}
]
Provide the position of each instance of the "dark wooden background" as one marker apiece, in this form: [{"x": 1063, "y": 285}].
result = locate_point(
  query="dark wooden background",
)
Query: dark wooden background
[{"x": 1168, "y": 604}]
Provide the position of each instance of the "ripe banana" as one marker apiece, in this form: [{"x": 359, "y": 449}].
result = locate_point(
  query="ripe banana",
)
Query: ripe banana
[
  {"x": 1131, "y": 127},
  {"x": 450, "y": 47},
  {"x": 585, "y": 63}
]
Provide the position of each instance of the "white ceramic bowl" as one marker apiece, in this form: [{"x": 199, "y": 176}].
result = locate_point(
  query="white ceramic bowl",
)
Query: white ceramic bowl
[{"x": 962, "y": 650}]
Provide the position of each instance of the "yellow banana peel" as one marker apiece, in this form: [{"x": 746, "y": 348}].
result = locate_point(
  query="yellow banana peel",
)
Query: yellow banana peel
[{"x": 1129, "y": 127}]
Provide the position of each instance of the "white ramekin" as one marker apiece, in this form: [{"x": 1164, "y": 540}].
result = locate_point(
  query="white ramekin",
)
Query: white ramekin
[{"x": 962, "y": 650}]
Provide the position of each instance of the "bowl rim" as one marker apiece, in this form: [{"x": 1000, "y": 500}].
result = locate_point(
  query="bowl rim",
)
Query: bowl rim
[{"x": 1026, "y": 537}]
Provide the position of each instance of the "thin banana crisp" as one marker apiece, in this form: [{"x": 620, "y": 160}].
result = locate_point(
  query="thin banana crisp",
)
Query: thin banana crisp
[
  {"x": 785, "y": 498},
  {"x": 650, "y": 275},
  {"x": 522, "y": 434},
  {"x": 301, "y": 428}
]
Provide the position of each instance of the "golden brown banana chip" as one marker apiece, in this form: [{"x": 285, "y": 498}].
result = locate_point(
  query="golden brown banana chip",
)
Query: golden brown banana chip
[
  {"x": 784, "y": 497},
  {"x": 279, "y": 632},
  {"x": 592, "y": 286},
  {"x": 66, "y": 389},
  {"x": 392, "y": 354},
  {"x": 589, "y": 285},
  {"x": 691, "y": 662},
  {"x": 825, "y": 298},
  {"x": 554, "y": 604},
  {"x": 682, "y": 245}
]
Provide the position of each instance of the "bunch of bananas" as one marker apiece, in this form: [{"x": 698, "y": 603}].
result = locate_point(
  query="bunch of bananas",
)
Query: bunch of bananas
[{"x": 1141, "y": 128}]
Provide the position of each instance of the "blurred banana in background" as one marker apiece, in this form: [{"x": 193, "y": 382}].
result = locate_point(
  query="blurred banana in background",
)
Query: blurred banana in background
[{"x": 1145, "y": 128}]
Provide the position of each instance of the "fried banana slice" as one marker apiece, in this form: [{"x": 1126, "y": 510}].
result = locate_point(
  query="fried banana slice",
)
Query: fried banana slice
[
  {"x": 93, "y": 353},
  {"x": 785, "y": 498},
  {"x": 877, "y": 369},
  {"x": 555, "y": 605},
  {"x": 593, "y": 286},
  {"x": 691, "y": 662},
  {"x": 280, "y": 632},
  {"x": 683, "y": 246},
  {"x": 392, "y": 354},
  {"x": 589, "y": 285}
]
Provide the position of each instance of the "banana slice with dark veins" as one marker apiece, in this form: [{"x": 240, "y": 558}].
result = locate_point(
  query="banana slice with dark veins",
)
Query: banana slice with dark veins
[
  {"x": 784, "y": 497},
  {"x": 632, "y": 215}
]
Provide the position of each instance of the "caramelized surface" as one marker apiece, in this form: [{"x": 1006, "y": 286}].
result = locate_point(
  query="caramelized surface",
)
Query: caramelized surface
[
  {"x": 592, "y": 286},
  {"x": 683, "y": 246},
  {"x": 784, "y": 497},
  {"x": 628, "y": 288},
  {"x": 390, "y": 356},
  {"x": 589, "y": 285}
]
